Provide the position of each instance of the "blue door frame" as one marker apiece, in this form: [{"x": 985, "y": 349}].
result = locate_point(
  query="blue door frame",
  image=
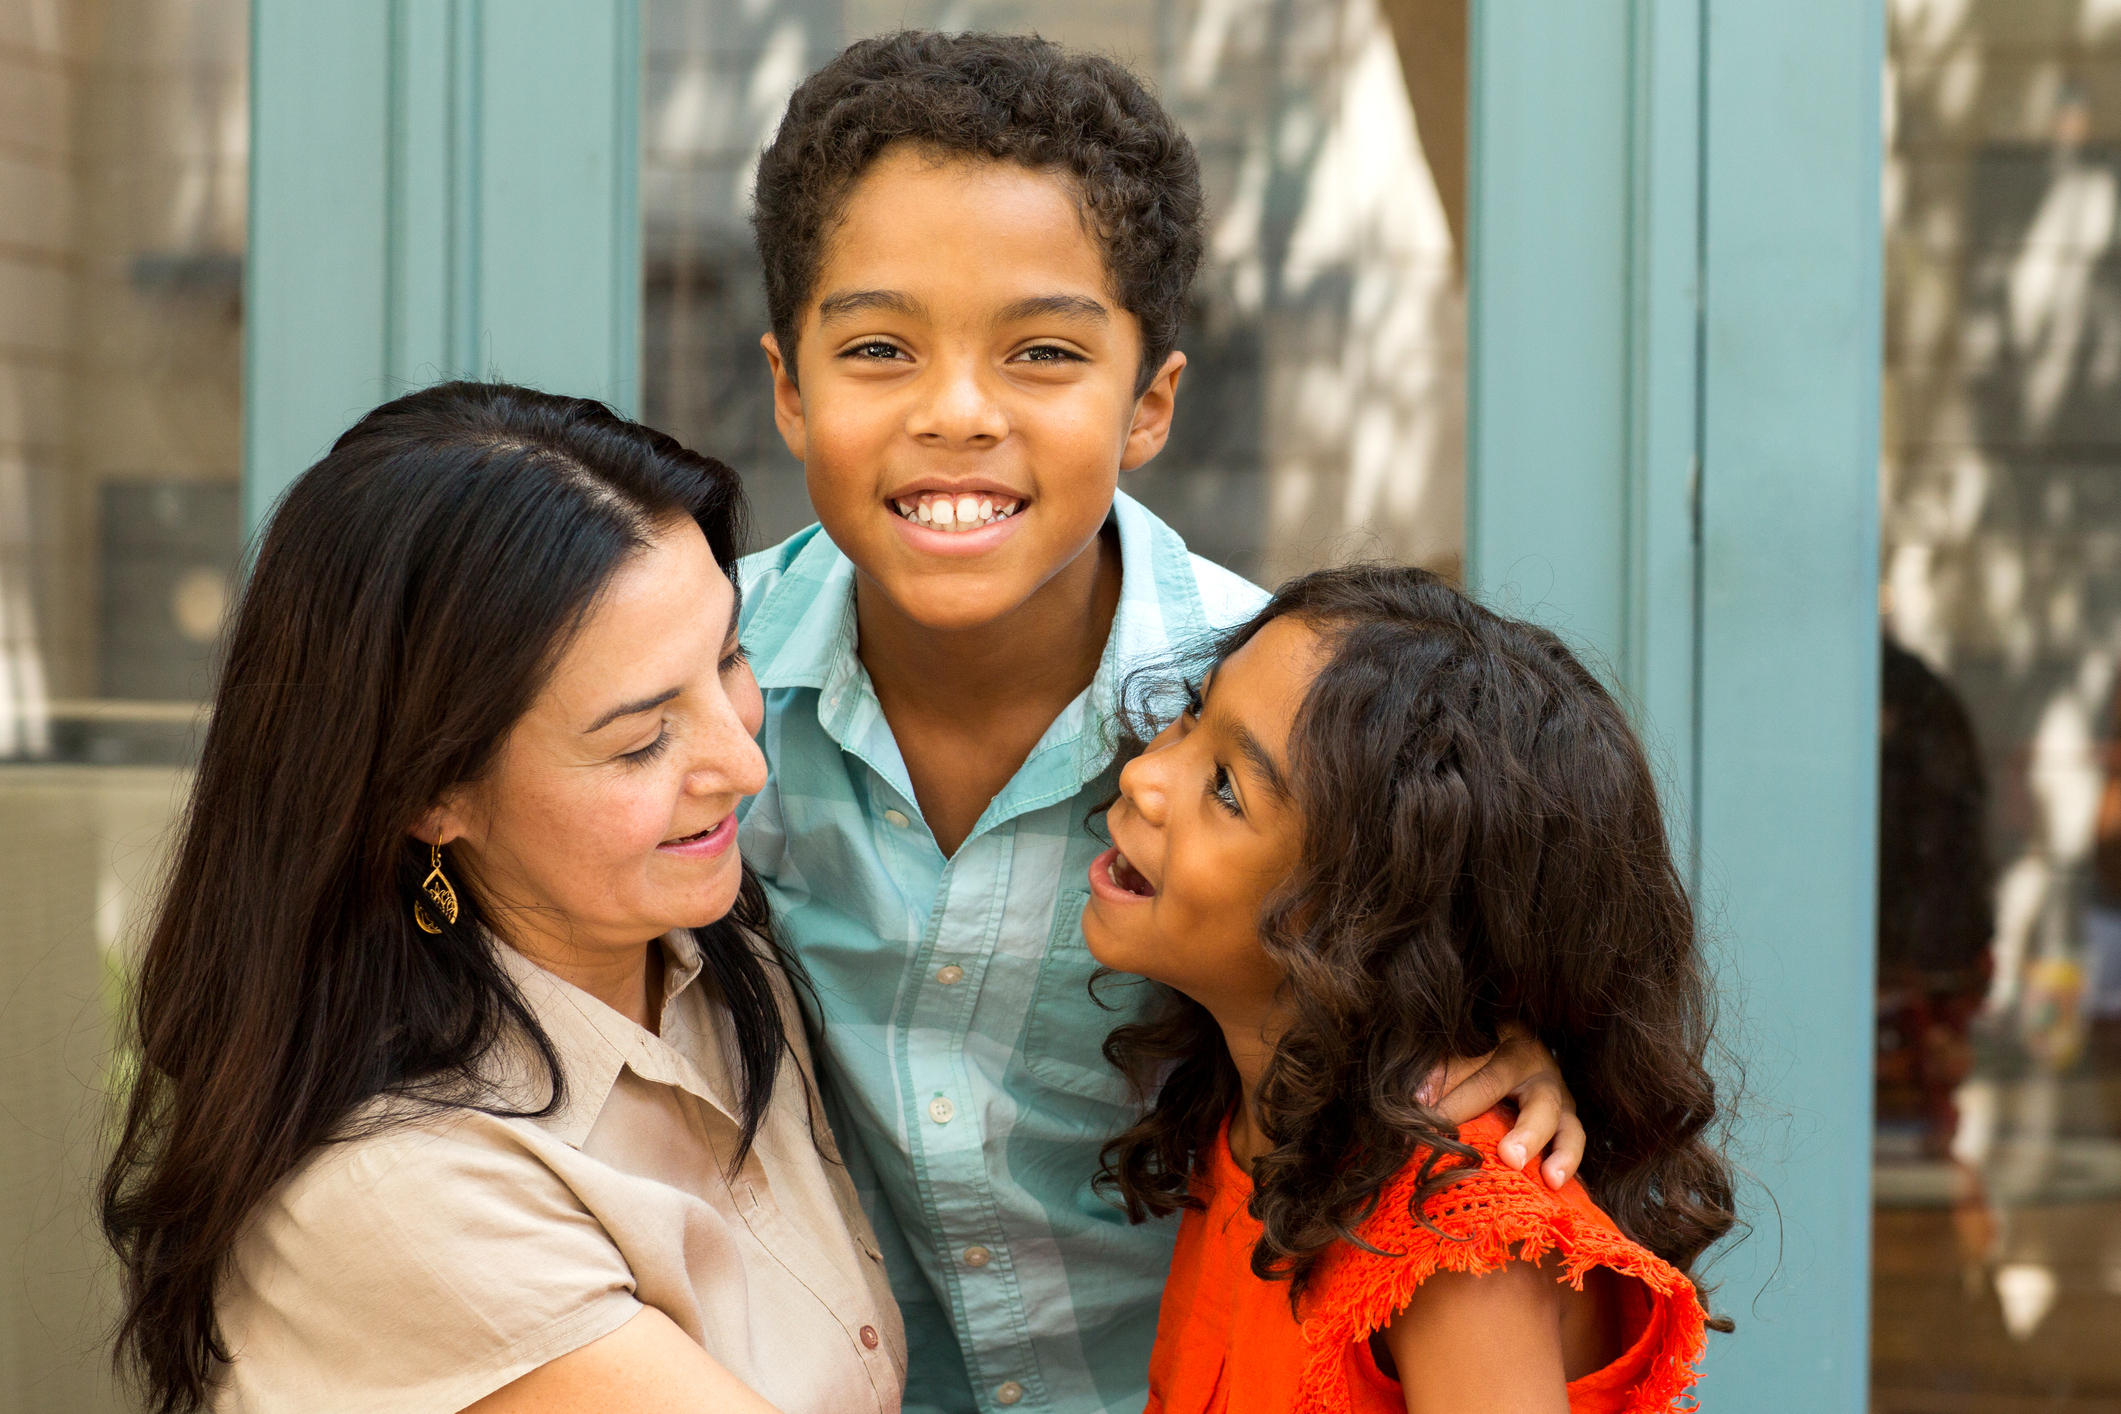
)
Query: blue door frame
[
  {"x": 439, "y": 188},
  {"x": 1673, "y": 446},
  {"x": 1674, "y": 256}
]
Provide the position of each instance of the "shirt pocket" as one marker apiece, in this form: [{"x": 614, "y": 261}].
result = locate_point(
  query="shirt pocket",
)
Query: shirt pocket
[{"x": 1063, "y": 1044}]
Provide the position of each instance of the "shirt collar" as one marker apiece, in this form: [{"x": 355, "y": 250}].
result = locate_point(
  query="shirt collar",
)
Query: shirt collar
[
  {"x": 804, "y": 624},
  {"x": 594, "y": 1043}
]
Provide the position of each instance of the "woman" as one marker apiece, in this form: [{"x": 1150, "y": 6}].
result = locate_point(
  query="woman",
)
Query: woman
[{"x": 470, "y": 1075}]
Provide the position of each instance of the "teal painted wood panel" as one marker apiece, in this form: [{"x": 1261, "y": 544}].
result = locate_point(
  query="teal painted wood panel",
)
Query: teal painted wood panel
[
  {"x": 440, "y": 188},
  {"x": 1664, "y": 311},
  {"x": 1789, "y": 668},
  {"x": 1583, "y": 317},
  {"x": 1672, "y": 459},
  {"x": 559, "y": 270},
  {"x": 1547, "y": 321},
  {"x": 314, "y": 321}
]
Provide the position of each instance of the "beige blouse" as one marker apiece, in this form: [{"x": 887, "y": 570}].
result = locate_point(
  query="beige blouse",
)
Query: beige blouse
[{"x": 428, "y": 1264}]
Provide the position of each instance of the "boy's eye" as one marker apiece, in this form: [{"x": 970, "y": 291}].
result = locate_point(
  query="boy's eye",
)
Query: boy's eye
[
  {"x": 649, "y": 752},
  {"x": 875, "y": 349},
  {"x": 1050, "y": 353},
  {"x": 736, "y": 658},
  {"x": 1223, "y": 792},
  {"x": 1193, "y": 702}
]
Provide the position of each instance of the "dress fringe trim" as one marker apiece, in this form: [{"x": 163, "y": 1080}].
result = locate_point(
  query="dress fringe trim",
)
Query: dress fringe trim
[{"x": 1492, "y": 1216}]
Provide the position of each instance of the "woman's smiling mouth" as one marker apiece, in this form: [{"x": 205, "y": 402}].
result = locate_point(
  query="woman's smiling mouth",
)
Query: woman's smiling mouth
[{"x": 706, "y": 844}]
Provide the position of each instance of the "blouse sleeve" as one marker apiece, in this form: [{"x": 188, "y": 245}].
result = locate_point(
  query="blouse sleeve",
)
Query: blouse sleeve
[
  {"x": 419, "y": 1269},
  {"x": 1492, "y": 1216}
]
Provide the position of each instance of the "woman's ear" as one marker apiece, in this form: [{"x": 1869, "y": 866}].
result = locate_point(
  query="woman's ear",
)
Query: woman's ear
[{"x": 443, "y": 823}]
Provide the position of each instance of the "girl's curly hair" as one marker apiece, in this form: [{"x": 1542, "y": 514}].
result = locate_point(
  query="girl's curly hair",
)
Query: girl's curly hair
[{"x": 1481, "y": 843}]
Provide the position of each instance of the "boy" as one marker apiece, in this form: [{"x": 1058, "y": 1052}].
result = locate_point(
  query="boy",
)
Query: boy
[{"x": 977, "y": 251}]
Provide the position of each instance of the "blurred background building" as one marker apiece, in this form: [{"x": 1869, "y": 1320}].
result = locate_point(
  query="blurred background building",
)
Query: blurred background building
[
  {"x": 124, "y": 128},
  {"x": 1325, "y": 416},
  {"x": 1998, "y": 1229}
]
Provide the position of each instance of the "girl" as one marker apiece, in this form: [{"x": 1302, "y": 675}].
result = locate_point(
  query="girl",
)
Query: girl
[{"x": 1387, "y": 823}]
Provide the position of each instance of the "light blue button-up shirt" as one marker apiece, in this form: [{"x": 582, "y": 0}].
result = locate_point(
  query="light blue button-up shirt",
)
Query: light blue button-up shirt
[{"x": 961, "y": 1043}]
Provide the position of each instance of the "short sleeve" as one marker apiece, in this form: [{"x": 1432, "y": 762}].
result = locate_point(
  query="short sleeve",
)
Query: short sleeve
[
  {"x": 1489, "y": 1217},
  {"x": 418, "y": 1269}
]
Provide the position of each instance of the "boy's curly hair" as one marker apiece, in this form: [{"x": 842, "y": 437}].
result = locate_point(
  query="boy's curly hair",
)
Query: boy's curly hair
[
  {"x": 1010, "y": 98},
  {"x": 1482, "y": 843}
]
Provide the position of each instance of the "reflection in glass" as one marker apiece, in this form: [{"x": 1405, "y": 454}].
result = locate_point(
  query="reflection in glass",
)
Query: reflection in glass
[
  {"x": 1322, "y": 410},
  {"x": 123, "y": 134},
  {"x": 1998, "y": 1237}
]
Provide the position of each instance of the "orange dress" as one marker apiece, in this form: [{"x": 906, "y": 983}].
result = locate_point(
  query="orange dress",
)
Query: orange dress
[{"x": 1226, "y": 1342}]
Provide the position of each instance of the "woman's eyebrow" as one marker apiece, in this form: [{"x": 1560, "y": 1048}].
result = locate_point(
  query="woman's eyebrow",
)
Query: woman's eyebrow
[
  {"x": 1262, "y": 764},
  {"x": 629, "y": 709}
]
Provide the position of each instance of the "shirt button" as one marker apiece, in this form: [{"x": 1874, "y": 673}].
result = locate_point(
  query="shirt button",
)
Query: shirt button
[
  {"x": 940, "y": 1110},
  {"x": 1008, "y": 1392},
  {"x": 869, "y": 1336},
  {"x": 977, "y": 1256},
  {"x": 951, "y": 975},
  {"x": 897, "y": 817}
]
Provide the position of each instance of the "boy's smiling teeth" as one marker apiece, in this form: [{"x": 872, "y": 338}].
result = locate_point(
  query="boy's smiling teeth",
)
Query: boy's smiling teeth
[{"x": 964, "y": 511}]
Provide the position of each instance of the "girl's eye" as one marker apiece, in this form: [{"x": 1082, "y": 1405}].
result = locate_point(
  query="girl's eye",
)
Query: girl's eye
[
  {"x": 1225, "y": 795},
  {"x": 1193, "y": 702},
  {"x": 737, "y": 658},
  {"x": 649, "y": 752}
]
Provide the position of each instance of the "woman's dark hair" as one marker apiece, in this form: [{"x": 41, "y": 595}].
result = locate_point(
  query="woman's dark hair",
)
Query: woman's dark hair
[
  {"x": 1004, "y": 97},
  {"x": 408, "y": 603},
  {"x": 1482, "y": 843}
]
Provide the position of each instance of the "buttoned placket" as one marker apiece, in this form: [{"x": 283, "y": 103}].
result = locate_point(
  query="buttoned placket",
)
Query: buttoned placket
[
  {"x": 951, "y": 1140},
  {"x": 654, "y": 1058},
  {"x": 946, "y": 1133}
]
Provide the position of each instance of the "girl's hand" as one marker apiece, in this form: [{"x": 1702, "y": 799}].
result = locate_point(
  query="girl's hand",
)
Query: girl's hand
[{"x": 1523, "y": 1070}]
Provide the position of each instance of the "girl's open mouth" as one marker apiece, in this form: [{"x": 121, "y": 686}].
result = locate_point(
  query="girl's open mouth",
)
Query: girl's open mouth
[{"x": 1113, "y": 876}]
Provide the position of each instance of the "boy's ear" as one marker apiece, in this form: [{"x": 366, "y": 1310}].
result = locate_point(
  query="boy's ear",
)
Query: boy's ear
[
  {"x": 787, "y": 401},
  {"x": 1152, "y": 414}
]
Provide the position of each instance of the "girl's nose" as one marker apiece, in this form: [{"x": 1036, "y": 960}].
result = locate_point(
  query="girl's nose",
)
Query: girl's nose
[{"x": 1142, "y": 784}]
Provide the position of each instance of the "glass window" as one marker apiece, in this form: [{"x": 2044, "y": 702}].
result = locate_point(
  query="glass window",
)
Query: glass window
[
  {"x": 1998, "y": 1189},
  {"x": 123, "y": 130},
  {"x": 1322, "y": 410}
]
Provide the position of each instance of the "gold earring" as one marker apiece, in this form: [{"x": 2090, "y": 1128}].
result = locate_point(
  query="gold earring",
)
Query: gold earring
[{"x": 435, "y": 886}]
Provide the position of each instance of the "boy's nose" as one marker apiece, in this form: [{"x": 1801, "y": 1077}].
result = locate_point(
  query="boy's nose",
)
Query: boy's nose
[{"x": 960, "y": 409}]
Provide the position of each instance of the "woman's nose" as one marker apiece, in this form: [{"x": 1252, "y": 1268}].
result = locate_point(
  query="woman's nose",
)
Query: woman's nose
[{"x": 730, "y": 760}]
